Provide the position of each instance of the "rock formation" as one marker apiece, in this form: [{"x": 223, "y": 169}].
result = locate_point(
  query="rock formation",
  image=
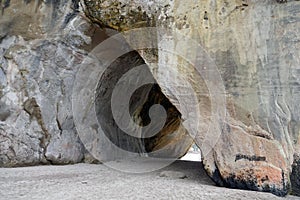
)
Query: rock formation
[
  {"x": 39, "y": 55},
  {"x": 249, "y": 120},
  {"x": 255, "y": 45}
]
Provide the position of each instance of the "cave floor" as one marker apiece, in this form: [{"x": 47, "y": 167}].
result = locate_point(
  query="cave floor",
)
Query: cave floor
[{"x": 91, "y": 181}]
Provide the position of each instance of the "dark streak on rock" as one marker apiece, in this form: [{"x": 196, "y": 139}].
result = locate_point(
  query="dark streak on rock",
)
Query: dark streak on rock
[
  {"x": 281, "y": 1},
  {"x": 251, "y": 184},
  {"x": 205, "y": 16},
  {"x": 71, "y": 15},
  {"x": 250, "y": 158},
  {"x": 68, "y": 18},
  {"x": 217, "y": 178},
  {"x": 295, "y": 177},
  {"x": 285, "y": 186},
  {"x": 4, "y": 4}
]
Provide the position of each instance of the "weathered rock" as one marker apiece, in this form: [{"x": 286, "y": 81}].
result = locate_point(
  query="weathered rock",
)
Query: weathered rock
[
  {"x": 39, "y": 58},
  {"x": 295, "y": 176},
  {"x": 255, "y": 45},
  {"x": 251, "y": 142}
]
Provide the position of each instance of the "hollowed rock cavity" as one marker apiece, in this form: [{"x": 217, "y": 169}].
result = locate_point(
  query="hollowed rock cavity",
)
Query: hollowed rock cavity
[{"x": 172, "y": 141}]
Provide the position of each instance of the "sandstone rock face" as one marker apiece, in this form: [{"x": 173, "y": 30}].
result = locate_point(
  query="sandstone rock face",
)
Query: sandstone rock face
[
  {"x": 255, "y": 46},
  {"x": 39, "y": 58}
]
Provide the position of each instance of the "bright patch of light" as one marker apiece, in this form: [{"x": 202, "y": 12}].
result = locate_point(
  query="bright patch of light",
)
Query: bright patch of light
[{"x": 194, "y": 154}]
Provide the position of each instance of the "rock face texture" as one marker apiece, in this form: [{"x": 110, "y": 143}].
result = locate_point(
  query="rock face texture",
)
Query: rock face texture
[
  {"x": 39, "y": 50},
  {"x": 255, "y": 46},
  {"x": 245, "y": 83}
]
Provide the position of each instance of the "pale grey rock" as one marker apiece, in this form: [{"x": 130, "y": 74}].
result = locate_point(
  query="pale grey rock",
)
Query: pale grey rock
[
  {"x": 65, "y": 148},
  {"x": 38, "y": 63},
  {"x": 255, "y": 46}
]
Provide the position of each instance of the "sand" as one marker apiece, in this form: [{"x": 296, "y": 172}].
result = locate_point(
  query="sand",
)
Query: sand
[{"x": 88, "y": 181}]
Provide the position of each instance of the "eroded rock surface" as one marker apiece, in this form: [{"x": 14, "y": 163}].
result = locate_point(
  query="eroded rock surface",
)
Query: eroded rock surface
[
  {"x": 40, "y": 54},
  {"x": 255, "y": 45}
]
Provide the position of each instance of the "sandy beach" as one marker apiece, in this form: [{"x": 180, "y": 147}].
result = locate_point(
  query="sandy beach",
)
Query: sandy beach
[{"x": 181, "y": 180}]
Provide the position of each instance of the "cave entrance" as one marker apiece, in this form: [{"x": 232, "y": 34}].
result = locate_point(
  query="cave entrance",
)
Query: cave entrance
[{"x": 171, "y": 142}]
